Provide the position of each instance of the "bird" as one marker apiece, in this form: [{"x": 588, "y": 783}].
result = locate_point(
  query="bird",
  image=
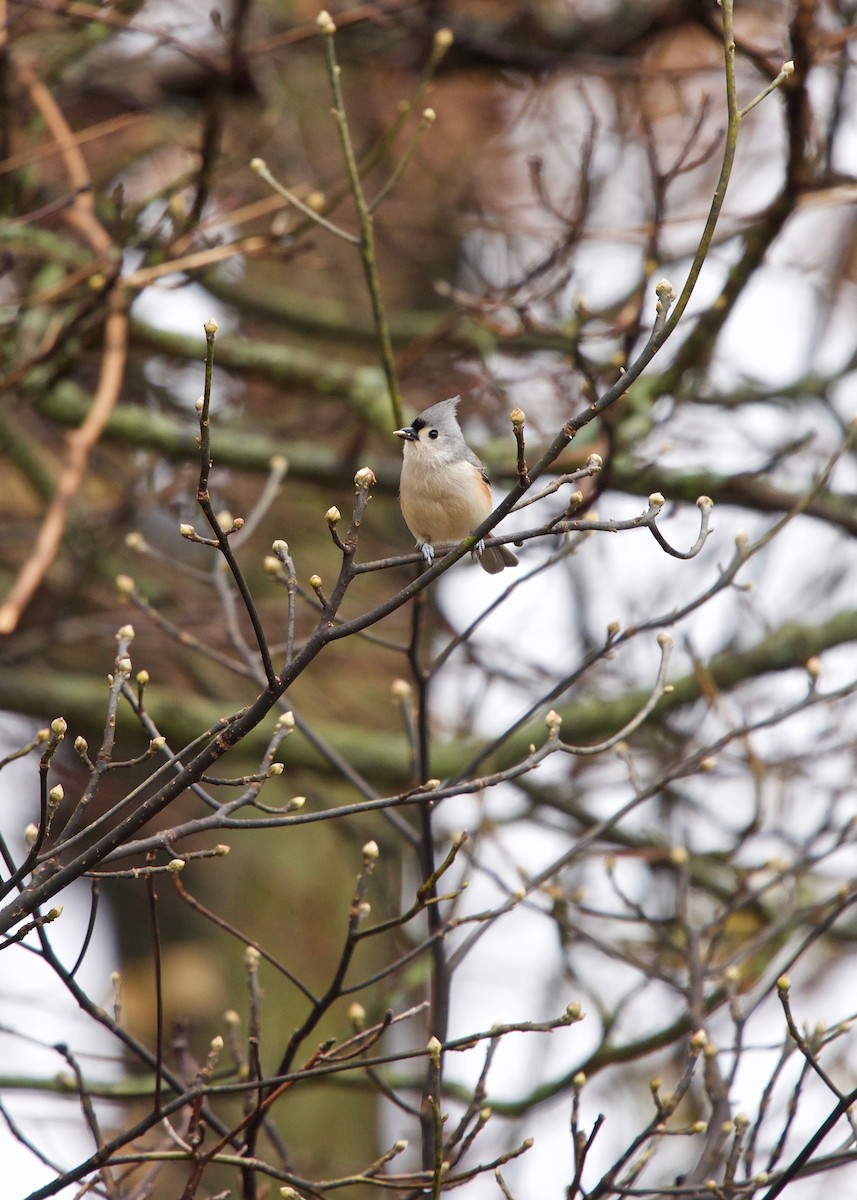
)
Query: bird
[{"x": 444, "y": 491}]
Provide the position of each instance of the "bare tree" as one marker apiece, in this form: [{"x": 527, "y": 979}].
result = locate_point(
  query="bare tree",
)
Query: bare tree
[{"x": 637, "y": 758}]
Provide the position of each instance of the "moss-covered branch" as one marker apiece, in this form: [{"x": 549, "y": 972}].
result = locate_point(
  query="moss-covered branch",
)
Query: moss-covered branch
[{"x": 384, "y": 757}]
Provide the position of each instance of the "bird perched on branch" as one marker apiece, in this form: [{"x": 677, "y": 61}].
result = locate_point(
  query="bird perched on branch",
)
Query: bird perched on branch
[{"x": 444, "y": 491}]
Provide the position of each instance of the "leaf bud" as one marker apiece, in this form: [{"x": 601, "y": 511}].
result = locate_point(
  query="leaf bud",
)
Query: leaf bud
[
  {"x": 365, "y": 477},
  {"x": 324, "y": 23}
]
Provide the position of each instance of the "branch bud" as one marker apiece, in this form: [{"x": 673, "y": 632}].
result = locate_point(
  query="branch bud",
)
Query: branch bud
[
  {"x": 553, "y": 721},
  {"x": 286, "y": 720},
  {"x": 187, "y": 531},
  {"x": 517, "y": 416},
  {"x": 656, "y": 500},
  {"x": 365, "y": 478},
  {"x": 401, "y": 689},
  {"x": 176, "y": 865},
  {"x": 370, "y": 853},
  {"x": 324, "y": 23},
  {"x": 59, "y": 726},
  {"x": 55, "y": 796},
  {"x": 125, "y": 585},
  {"x": 595, "y": 462},
  {"x": 210, "y": 326},
  {"x": 333, "y": 516}
]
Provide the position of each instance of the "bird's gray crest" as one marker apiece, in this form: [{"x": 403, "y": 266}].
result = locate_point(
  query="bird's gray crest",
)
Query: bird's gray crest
[{"x": 440, "y": 413}]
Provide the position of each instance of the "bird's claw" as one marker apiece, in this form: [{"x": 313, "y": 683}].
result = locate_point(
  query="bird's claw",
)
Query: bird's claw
[
  {"x": 427, "y": 552},
  {"x": 479, "y": 547}
]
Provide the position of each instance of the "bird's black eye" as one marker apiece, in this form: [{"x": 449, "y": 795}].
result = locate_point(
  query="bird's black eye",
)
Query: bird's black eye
[{"x": 432, "y": 434}]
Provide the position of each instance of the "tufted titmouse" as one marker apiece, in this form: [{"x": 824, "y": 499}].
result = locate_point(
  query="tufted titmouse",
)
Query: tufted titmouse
[{"x": 444, "y": 490}]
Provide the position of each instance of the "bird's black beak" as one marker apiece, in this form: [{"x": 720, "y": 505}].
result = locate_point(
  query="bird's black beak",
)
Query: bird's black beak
[{"x": 408, "y": 434}]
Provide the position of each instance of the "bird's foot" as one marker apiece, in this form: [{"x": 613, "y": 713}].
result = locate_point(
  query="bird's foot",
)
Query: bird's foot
[
  {"x": 427, "y": 552},
  {"x": 479, "y": 548}
]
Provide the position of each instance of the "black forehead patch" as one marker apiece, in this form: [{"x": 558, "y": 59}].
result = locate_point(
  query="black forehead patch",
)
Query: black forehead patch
[{"x": 418, "y": 423}]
